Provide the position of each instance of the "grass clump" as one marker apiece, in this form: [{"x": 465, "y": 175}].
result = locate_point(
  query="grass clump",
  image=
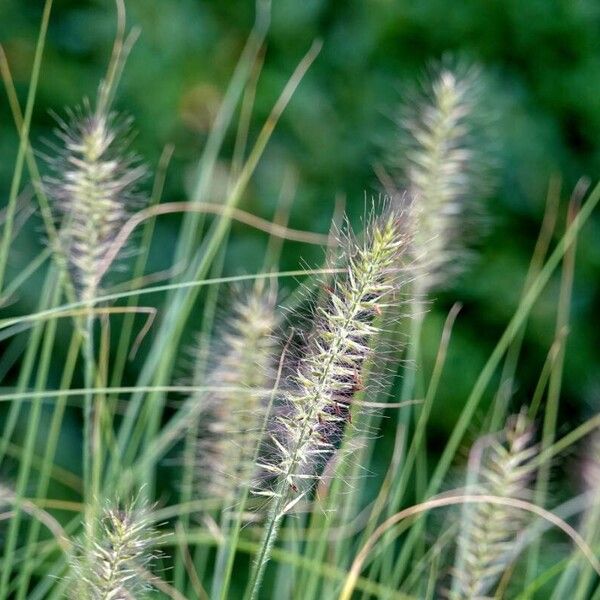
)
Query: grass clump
[{"x": 254, "y": 485}]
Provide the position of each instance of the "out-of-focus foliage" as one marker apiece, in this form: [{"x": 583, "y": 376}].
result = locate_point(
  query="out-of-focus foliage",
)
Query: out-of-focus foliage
[{"x": 542, "y": 60}]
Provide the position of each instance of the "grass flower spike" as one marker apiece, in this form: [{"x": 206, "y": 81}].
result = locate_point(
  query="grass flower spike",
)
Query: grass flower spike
[
  {"x": 578, "y": 575},
  {"x": 500, "y": 465},
  {"x": 442, "y": 168},
  {"x": 232, "y": 420},
  {"x": 112, "y": 566},
  {"x": 329, "y": 374},
  {"x": 93, "y": 188}
]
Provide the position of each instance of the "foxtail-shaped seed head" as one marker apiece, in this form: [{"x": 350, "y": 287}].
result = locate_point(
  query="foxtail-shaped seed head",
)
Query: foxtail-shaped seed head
[
  {"x": 110, "y": 566},
  {"x": 499, "y": 465},
  {"x": 93, "y": 188},
  {"x": 232, "y": 420},
  {"x": 443, "y": 168},
  {"x": 328, "y": 375}
]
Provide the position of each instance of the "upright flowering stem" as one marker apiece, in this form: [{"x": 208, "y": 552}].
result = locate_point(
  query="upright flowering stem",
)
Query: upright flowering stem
[
  {"x": 318, "y": 405},
  {"x": 440, "y": 166},
  {"x": 443, "y": 170},
  {"x": 231, "y": 425},
  {"x": 92, "y": 187}
]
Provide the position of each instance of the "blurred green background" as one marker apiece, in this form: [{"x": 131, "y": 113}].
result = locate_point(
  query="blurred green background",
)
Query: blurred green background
[{"x": 542, "y": 64}]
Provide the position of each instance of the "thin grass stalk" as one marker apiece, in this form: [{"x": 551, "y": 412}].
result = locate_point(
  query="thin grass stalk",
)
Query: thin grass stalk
[
  {"x": 191, "y": 222},
  {"x": 587, "y": 575},
  {"x": 236, "y": 166},
  {"x": 505, "y": 390},
  {"x": 90, "y": 491},
  {"x": 62, "y": 476},
  {"x": 568, "y": 440},
  {"x": 70, "y": 393},
  {"x": 25, "y": 371},
  {"x": 245, "y": 492},
  {"x": 407, "y": 392},
  {"x": 23, "y": 142},
  {"x": 123, "y": 347},
  {"x": 13, "y": 351},
  {"x": 44, "y": 550},
  {"x": 198, "y": 562},
  {"x": 30, "y": 438},
  {"x": 546, "y": 371},
  {"x": 189, "y": 461},
  {"x": 576, "y": 580},
  {"x": 555, "y": 382},
  {"x": 286, "y": 576},
  {"x": 36, "y": 181},
  {"x": 316, "y": 568},
  {"x": 159, "y": 362},
  {"x": 55, "y": 574},
  {"x": 156, "y": 416},
  {"x": 443, "y": 541},
  {"x": 242, "y": 72},
  {"x": 340, "y": 552},
  {"x": 418, "y": 438},
  {"x": 266, "y": 546},
  {"x": 543, "y": 579},
  {"x": 24, "y": 275},
  {"x": 74, "y": 307},
  {"x": 486, "y": 374},
  {"x": 48, "y": 460}
]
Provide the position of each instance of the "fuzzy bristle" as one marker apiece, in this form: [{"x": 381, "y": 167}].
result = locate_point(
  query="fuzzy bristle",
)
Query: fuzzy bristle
[
  {"x": 500, "y": 466},
  {"x": 93, "y": 189},
  {"x": 232, "y": 420},
  {"x": 318, "y": 402},
  {"x": 109, "y": 567},
  {"x": 442, "y": 168}
]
